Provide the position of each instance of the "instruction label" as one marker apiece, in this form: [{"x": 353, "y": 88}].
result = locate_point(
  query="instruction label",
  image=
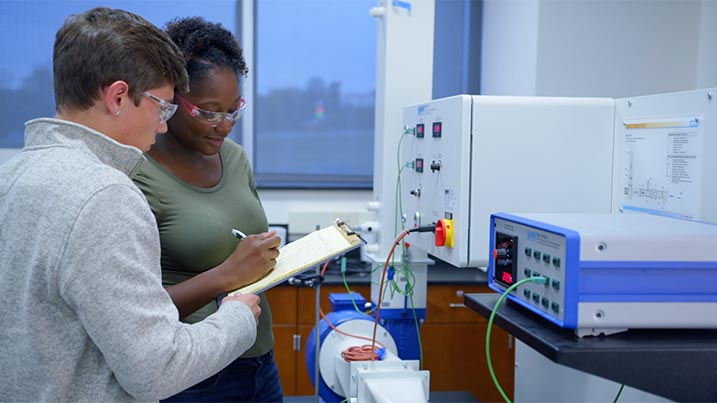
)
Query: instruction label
[{"x": 662, "y": 166}]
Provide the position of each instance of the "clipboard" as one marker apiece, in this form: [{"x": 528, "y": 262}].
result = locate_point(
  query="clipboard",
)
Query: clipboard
[{"x": 304, "y": 253}]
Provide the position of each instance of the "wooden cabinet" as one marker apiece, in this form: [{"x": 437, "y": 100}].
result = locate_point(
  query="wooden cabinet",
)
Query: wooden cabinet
[
  {"x": 293, "y": 314},
  {"x": 284, "y": 307},
  {"x": 453, "y": 338}
]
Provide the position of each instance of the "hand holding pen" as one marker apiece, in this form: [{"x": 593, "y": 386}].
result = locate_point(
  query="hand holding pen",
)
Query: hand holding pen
[
  {"x": 252, "y": 258},
  {"x": 240, "y": 235}
]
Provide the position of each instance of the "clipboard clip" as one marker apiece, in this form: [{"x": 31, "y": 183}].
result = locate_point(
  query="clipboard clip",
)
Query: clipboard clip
[
  {"x": 344, "y": 227},
  {"x": 348, "y": 230}
]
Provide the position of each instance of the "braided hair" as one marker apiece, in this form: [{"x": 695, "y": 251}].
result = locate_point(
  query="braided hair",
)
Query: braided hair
[{"x": 206, "y": 46}]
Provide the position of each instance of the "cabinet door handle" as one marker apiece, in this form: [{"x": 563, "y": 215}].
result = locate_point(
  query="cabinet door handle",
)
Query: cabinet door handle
[
  {"x": 297, "y": 342},
  {"x": 456, "y": 305}
]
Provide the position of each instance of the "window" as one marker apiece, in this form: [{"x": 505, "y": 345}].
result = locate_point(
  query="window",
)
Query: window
[
  {"x": 314, "y": 93},
  {"x": 314, "y": 86},
  {"x": 312, "y": 75},
  {"x": 28, "y": 30}
]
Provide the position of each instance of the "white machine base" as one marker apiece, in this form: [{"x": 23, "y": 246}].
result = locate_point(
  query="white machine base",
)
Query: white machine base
[
  {"x": 385, "y": 381},
  {"x": 388, "y": 381}
]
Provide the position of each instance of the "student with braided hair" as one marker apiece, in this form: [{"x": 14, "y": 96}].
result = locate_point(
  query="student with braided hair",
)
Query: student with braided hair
[{"x": 200, "y": 186}]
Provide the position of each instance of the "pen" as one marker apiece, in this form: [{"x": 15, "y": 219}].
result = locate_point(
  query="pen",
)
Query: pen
[{"x": 238, "y": 234}]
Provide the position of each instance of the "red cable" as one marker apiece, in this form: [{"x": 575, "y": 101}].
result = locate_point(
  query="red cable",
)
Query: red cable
[
  {"x": 380, "y": 287},
  {"x": 365, "y": 352},
  {"x": 359, "y": 353}
]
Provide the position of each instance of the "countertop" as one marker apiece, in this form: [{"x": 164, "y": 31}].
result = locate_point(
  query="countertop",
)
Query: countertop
[{"x": 677, "y": 364}]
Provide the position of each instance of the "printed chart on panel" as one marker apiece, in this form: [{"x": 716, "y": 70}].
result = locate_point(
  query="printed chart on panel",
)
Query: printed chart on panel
[{"x": 663, "y": 166}]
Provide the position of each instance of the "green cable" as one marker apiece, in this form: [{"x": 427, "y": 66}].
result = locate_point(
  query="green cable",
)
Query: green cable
[
  {"x": 398, "y": 206},
  {"x": 410, "y": 281},
  {"x": 410, "y": 278},
  {"x": 540, "y": 280},
  {"x": 418, "y": 333},
  {"x": 619, "y": 392},
  {"x": 348, "y": 290},
  {"x": 404, "y": 270},
  {"x": 397, "y": 189}
]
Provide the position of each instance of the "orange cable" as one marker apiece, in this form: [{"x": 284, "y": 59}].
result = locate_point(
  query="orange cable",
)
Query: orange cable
[
  {"x": 354, "y": 353},
  {"x": 380, "y": 287},
  {"x": 359, "y": 353}
]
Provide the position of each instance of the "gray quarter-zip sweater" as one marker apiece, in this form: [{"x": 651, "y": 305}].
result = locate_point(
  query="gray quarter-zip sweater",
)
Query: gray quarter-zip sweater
[{"x": 83, "y": 314}]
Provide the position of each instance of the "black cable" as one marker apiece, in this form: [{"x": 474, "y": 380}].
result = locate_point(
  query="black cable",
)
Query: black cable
[{"x": 423, "y": 228}]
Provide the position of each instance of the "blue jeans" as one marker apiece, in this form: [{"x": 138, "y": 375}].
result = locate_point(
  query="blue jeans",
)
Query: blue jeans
[{"x": 244, "y": 380}]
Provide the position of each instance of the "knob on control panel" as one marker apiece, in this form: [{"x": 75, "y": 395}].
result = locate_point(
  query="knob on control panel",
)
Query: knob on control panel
[{"x": 444, "y": 233}]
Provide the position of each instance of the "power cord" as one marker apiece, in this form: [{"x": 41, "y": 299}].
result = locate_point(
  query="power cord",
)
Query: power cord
[{"x": 423, "y": 228}]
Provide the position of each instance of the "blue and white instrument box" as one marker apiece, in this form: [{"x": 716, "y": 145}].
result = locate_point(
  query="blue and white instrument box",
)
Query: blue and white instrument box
[{"x": 607, "y": 273}]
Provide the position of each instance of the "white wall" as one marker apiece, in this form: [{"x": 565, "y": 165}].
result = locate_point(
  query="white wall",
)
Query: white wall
[
  {"x": 510, "y": 43},
  {"x": 303, "y": 209},
  {"x": 593, "y": 48},
  {"x": 617, "y": 48},
  {"x": 610, "y": 48},
  {"x": 707, "y": 51}
]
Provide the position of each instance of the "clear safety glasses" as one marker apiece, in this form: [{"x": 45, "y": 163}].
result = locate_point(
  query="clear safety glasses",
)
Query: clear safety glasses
[
  {"x": 209, "y": 118},
  {"x": 166, "y": 109}
]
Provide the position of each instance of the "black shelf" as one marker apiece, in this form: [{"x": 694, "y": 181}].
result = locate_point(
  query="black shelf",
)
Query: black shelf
[{"x": 676, "y": 364}]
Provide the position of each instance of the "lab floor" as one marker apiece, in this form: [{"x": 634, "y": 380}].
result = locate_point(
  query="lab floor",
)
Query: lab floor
[{"x": 435, "y": 397}]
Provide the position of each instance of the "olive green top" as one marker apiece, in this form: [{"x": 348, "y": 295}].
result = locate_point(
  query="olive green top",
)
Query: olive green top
[{"x": 195, "y": 225}]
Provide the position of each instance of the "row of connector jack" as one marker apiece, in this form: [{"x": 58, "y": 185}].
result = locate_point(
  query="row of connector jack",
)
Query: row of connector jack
[
  {"x": 536, "y": 297},
  {"x": 554, "y": 283},
  {"x": 538, "y": 300},
  {"x": 537, "y": 255}
]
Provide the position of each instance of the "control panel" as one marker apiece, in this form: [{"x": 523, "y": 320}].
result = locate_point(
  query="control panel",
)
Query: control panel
[{"x": 523, "y": 251}]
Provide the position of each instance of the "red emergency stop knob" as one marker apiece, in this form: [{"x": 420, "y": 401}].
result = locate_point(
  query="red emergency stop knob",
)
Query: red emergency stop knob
[{"x": 444, "y": 233}]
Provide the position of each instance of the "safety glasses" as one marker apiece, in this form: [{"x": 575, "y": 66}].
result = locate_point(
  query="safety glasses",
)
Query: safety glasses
[
  {"x": 166, "y": 109},
  {"x": 209, "y": 118}
]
